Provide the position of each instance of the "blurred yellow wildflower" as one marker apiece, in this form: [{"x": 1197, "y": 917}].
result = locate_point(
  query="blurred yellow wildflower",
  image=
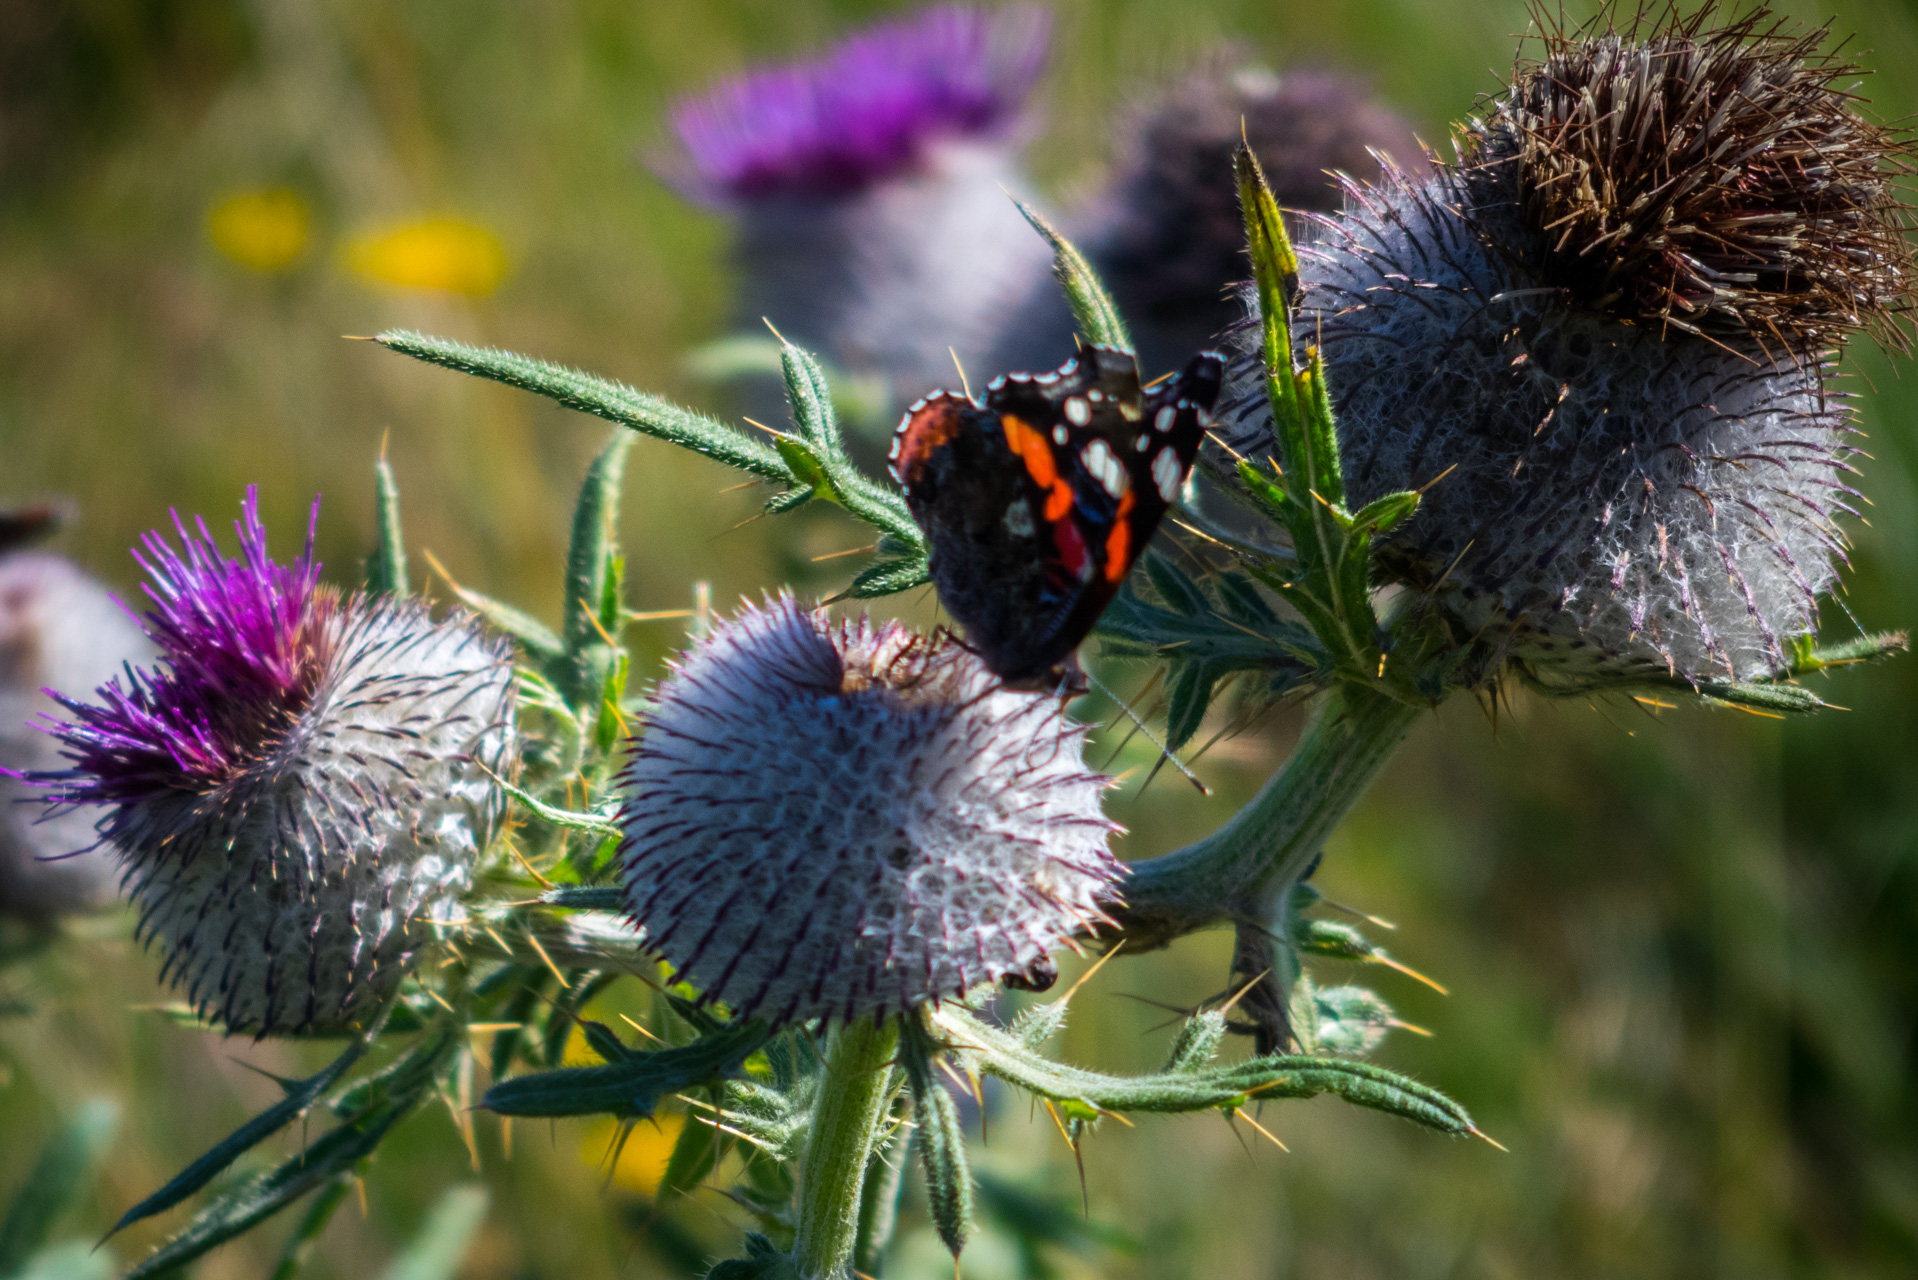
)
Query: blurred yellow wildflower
[
  {"x": 642, "y": 1160},
  {"x": 264, "y": 231},
  {"x": 437, "y": 253}
]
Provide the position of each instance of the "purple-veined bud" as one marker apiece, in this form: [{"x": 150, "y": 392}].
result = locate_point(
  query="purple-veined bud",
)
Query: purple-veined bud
[
  {"x": 58, "y": 629},
  {"x": 1166, "y": 234},
  {"x": 1604, "y": 338},
  {"x": 837, "y": 820},
  {"x": 302, "y": 785},
  {"x": 869, "y": 184}
]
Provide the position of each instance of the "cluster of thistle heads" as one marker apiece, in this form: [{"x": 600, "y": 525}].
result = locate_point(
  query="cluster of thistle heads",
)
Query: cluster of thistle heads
[{"x": 1600, "y": 341}]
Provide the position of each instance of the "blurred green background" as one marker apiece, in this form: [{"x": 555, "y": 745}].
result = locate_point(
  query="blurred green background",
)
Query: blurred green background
[{"x": 1683, "y": 948}]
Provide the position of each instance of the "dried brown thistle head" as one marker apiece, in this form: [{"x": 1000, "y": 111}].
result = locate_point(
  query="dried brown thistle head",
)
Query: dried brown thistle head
[{"x": 1703, "y": 173}]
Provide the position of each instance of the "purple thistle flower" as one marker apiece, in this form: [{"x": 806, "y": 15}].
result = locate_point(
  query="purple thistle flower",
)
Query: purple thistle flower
[
  {"x": 840, "y": 820},
  {"x": 867, "y": 109},
  {"x": 300, "y": 788}
]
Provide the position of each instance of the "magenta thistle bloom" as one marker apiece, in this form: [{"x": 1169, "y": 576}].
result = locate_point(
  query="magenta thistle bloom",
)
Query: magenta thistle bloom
[
  {"x": 299, "y": 788},
  {"x": 865, "y": 110},
  {"x": 840, "y": 820}
]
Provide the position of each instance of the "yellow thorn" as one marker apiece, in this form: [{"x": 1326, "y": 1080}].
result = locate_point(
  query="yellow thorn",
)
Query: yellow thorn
[
  {"x": 1087, "y": 975},
  {"x": 1409, "y": 972},
  {"x": 1476, "y": 1132},
  {"x": 658, "y": 615},
  {"x": 1267, "y": 1133},
  {"x": 834, "y": 555},
  {"x": 1240, "y": 993},
  {"x": 650, "y": 1036},
  {"x": 563, "y": 984}
]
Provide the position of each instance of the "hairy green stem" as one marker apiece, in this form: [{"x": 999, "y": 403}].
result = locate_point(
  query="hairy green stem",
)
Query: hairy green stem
[
  {"x": 852, "y": 1103},
  {"x": 1242, "y": 871}
]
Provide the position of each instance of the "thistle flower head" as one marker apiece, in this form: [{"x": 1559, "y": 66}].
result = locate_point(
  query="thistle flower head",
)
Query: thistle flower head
[
  {"x": 839, "y": 820},
  {"x": 299, "y": 787},
  {"x": 1640, "y": 477},
  {"x": 60, "y": 629},
  {"x": 867, "y": 109},
  {"x": 1716, "y": 179}
]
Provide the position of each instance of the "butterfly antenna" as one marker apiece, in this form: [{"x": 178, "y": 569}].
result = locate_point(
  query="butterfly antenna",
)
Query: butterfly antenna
[{"x": 1165, "y": 753}]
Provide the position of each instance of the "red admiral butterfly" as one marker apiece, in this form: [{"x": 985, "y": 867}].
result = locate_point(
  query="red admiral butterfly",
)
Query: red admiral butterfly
[{"x": 1038, "y": 501}]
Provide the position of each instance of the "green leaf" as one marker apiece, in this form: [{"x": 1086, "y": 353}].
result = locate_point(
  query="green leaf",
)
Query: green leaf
[
  {"x": 302, "y": 1095},
  {"x": 1229, "y": 1086},
  {"x": 1382, "y": 515},
  {"x": 1198, "y": 1041},
  {"x": 436, "y": 1252},
  {"x": 647, "y": 414},
  {"x": 940, "y": 1139},
  {"x": 888, "y": 577},
  {"x": 1181, "y": 594},
  {"x": 591, "y": 554},
  {"x": 597, "y": 823},
  {"x": 582, "y": 898},
  {"x": 695, "y": 1155},
  {"x": 265, "y": 1194},
  {"x": 808, "y": 471},
  {"x": 535, "y": 638},
  {"x": 386, "y": 567},
  {"x": 1809, "y": 656},
  {"x": 1098, "y": 316},
  {"x": 1785, "y": 699},
  {"x": 632, "y": 1088},
  {"x": 57, "y": 1181}
]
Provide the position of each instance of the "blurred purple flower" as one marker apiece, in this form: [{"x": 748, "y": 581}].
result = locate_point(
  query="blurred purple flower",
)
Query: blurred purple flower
[{"x": 866, "y": 109}]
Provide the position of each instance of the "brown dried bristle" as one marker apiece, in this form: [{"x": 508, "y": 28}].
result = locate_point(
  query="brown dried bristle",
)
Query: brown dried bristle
[{"x": 1705, "y": 174}]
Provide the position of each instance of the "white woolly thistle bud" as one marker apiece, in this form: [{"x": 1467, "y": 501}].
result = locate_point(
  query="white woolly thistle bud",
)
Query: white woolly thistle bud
[
  {"x": 59, "y": 629},
  {"x": 299, "y": 789},
  {"x": 1603, "y": 337},
  {"x": 836, "y": 820},
  {"x": 871, "y": 177}
]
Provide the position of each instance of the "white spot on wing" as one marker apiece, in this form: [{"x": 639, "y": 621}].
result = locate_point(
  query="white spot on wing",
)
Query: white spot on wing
[
  {"x": 1164, "y": 419},
  {"x": 1078, "y": 412},
  {"x": 1109, "y": 471},
  {"x": 1059, "y": 435},
  {"x": 1167, "y": 473}
]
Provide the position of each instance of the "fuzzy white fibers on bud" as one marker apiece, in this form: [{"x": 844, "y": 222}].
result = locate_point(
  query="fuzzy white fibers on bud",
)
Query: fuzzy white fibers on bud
[
  {"x": 1606, "y": 351},
  {"x": 302, "y": 786},
  {"x": 59, "y": 629},
  {"x": 836, "y": 820}
]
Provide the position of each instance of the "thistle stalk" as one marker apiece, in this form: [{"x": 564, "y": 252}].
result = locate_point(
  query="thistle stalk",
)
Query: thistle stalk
[
  {"x": 852, "y": 1101},
  {"x": 1243, "y": 870}
]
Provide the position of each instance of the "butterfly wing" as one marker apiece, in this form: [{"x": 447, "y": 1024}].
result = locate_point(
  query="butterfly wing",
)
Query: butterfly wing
[{"x": 1038, "y": 501}]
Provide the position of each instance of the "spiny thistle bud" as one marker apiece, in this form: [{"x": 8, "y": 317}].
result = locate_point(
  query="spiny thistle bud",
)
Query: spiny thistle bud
[
  {"x": 1167, "y": 235},
  {"x": 58, "y": 629},
  {"x": 872, "y": 178},
  {"x": 299, "y": 788},
  {"x": 1603, "y": 339},
  {"x": 836, "y": 820}
]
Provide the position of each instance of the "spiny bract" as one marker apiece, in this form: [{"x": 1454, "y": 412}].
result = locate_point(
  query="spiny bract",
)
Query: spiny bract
[{"x": 840, "y": 820}]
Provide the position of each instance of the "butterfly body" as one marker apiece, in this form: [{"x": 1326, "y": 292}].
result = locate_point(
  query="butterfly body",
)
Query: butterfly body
[{"x": 1038, "y": 498}]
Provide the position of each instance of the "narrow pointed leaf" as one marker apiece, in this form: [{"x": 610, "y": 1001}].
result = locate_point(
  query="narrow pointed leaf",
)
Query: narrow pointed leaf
[
  {"x": 534, "y": 636},
  {"x": 632, "y": 1088},
  {"x": 888, "y": 577},
  {"x": 262, "y": 1196},
  {"x": 386, "y": 567},
  {"x": 249, "y": 1135},
  {"x": 1097, "y": 314},
  {"x": 1382, "y": 515},
  {"x": 603, "y": 398}
]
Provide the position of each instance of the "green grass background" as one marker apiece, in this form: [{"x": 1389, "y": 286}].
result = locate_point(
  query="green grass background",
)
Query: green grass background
[{"x": 1683, "y": 949}]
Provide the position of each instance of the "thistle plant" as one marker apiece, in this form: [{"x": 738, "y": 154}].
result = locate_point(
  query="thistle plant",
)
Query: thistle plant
[{"x": 1559, "y": 414}]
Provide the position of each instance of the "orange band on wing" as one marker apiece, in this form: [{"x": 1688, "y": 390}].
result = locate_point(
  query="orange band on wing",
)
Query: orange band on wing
[
  {"x": 1033, "y": 449},
  {"x": 1119, "y": 541}
]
